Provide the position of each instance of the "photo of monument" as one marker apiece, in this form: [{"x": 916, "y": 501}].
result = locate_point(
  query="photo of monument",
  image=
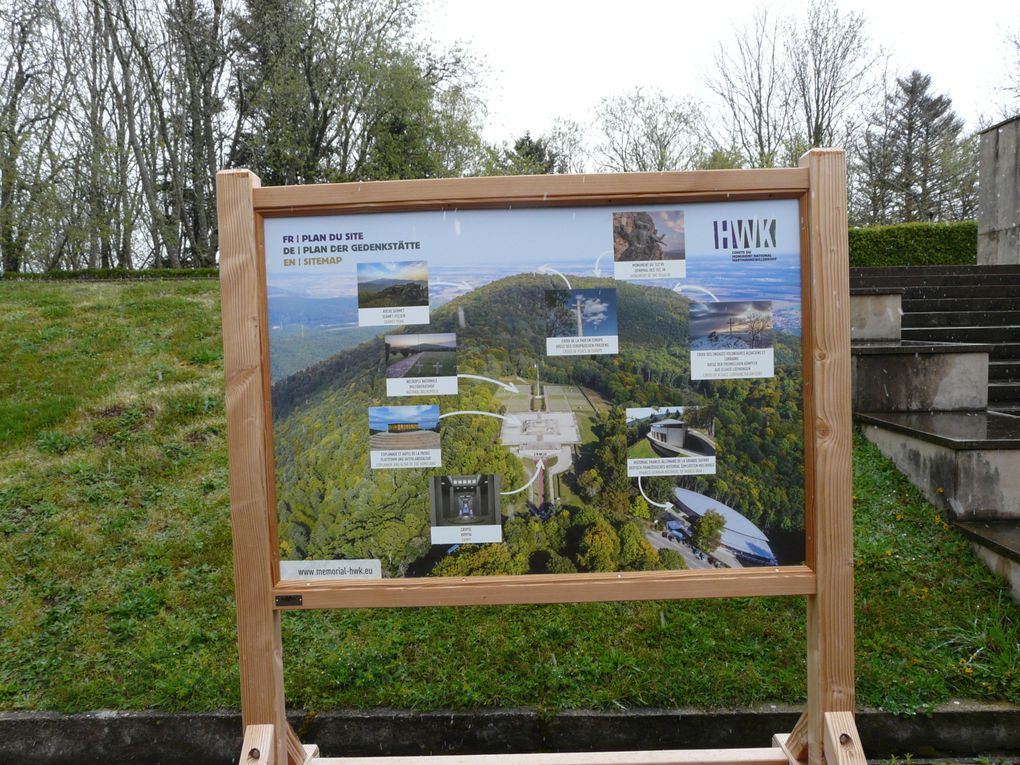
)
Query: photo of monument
[
  {"x": 643, "y": 236},
  {"x": 738, "y": 325},
  {"x": 580, "y": 313}
]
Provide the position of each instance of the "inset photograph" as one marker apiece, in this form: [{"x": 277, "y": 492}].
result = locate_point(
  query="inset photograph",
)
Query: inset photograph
[
  {"x": 731, "y": 340},
  {"x": 670, "y": 440},
  {"x": 649, "y": 245},
  {"x": 393, "y": 293},
  {"x": 718, "y": 534},
  {"x": 465, "y": 509},
  {"x": 581, "y": 322},
  {"x": 740, "y": 325},
  {"x": 421, "y": 365},
  {"x": 404, "y": 436}
]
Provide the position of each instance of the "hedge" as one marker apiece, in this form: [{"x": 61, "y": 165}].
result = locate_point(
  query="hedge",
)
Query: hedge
[
  {"x": 108, "y": 274},
  {"x": 914, "y": 244}
]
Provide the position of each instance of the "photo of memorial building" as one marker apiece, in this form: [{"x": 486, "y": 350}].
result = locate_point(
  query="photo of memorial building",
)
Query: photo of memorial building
[
  {"x": 675, "y": 439},
  {"x": 742, "y": 543},
  {"x": 676, "y": 431}
]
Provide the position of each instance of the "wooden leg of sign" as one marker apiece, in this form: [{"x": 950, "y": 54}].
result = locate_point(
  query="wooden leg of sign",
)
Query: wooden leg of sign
[
  {"x": 794, "y": 743},
  {"x": 842, "y": 742},
  {"x": 260, "y": 649},
  {"x": 297, "y": 752},
  {"x": 259, "y": 747},
  {"x": 831, "y": 610}
]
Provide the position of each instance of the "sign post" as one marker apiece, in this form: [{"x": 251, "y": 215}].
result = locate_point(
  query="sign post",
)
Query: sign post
[{"x": 367, "y": 306}]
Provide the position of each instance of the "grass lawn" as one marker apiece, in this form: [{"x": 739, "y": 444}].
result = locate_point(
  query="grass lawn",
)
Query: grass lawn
[
  {"x": 642, "y": 450},
  {"x": 115, "y": 562},
  {"x": 434, "y": 364}
]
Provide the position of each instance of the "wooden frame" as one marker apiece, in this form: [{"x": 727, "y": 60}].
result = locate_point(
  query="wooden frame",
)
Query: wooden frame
[{"x": 827, "y": 579}]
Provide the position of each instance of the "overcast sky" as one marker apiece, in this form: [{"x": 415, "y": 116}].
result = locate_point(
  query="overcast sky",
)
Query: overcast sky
[{"x": 557, "y": 58}]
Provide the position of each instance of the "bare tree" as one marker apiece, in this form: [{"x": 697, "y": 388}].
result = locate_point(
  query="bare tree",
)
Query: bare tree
[
  {"x": 567, "y": 140},
  {"x": 752, "y": 79},
  {"x": 647, "y": 131},
  {"x": 833, "y": 64},
  {"x": 1012, "y": 87},
  {"x": 31, "y": 102},
  {"x": 116, "y": 114},
  {"x": 758, "y": 324}
]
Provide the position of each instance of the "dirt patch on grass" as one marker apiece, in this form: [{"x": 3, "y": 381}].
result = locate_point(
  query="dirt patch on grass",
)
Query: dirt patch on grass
[{"x": 197, "y": 437}]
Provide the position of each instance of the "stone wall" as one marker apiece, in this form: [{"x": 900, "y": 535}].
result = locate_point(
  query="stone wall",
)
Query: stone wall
[{"x": 999, "y": 195}]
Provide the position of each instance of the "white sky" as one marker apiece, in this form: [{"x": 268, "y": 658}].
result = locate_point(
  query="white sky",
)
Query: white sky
[{"x": 557, "y": 58}]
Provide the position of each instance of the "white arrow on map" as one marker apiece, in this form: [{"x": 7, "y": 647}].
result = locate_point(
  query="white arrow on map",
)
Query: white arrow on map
[
  {"x": 548, "y": 270},
  {"x": 663, "y": 505},
  {"x": 505, "y": 386},
  {"x": 680, "y": 287},
  {"x": 508, "y": 417},
  {"x": 598, "y": 271},
  {"x": 458, "y": 285},
  {"x": 539, "y": 466}
]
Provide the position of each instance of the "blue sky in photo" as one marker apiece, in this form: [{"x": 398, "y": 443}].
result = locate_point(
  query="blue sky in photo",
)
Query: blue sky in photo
[{"x": 426, "y": 415}]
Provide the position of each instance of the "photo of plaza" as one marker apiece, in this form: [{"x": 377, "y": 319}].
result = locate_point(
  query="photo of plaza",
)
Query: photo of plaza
[{"x": 395, "y": 428}]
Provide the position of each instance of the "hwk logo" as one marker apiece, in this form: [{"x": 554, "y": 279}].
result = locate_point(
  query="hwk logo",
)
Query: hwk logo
[{"x": 745, "y": 234}]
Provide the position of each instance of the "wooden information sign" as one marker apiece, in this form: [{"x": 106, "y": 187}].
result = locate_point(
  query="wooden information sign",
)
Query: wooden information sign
[{"x": 418, "y": 370}]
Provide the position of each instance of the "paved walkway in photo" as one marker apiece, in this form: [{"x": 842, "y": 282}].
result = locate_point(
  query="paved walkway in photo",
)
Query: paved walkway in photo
[{"x": 401, "y": 367}]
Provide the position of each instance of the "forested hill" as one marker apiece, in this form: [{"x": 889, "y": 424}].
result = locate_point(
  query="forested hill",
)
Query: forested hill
[
  {"x": 332, "y": 505},
  {"x": 504, "y": 332}
]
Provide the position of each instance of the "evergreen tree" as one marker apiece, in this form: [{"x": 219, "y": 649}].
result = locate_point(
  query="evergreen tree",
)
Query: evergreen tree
[{"x": 915, "y": 164}]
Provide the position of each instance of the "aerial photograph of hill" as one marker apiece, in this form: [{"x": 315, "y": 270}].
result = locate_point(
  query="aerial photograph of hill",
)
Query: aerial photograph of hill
[{"x": 505, "y": 357}]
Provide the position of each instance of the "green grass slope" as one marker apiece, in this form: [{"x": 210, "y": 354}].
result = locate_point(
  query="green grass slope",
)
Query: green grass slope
[{"x": 115, "y": 568}]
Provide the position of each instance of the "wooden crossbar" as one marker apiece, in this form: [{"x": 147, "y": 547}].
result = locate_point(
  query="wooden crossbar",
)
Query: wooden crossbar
[{"x": 764, "y": 756}]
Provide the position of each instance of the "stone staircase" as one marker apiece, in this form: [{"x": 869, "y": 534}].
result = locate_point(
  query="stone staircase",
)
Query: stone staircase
[
  {"x": 961, "y": 304},
  {"x": 936, "y": 386}
]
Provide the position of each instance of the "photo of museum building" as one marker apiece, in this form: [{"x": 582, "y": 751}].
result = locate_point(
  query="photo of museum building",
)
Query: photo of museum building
[
  {"x": 740, "y": 538},
  {"x": 674, "y": 438}
]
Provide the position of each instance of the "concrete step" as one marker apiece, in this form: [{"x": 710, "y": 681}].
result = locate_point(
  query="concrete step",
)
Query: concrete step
[
  {"x": 909, "y": 376},
  {"x": 911, "y": 271},
  {"x": 961, "y": 304},
  {"x": 997, "y": 544},
  {"x": 1004, "y": 391},
  {"x": 960, "y": 317},
  {"x": 943, "y": 280},
  {"x": 1005, "y": 352},
  {"x": 1004, "y": 370},
  {"x": 961, "y": 291},
  {"x": 964, "y": 462},
  {"x": 1002, "y": 334}
]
